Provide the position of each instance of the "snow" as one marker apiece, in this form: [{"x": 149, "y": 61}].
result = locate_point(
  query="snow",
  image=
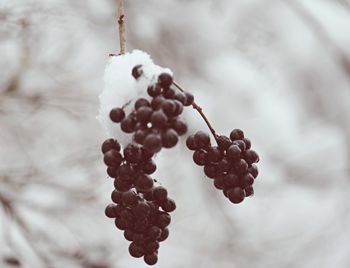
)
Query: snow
[{"x": 120, "y": 87}]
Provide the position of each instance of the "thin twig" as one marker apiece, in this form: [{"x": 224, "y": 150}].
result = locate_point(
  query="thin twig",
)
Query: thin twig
[
  {"x": 121, "y": 25},
  {"x": 200, "y": 111}
]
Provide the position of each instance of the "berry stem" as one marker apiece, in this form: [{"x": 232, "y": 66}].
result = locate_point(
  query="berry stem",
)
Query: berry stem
[
  {"x": 121, "y": 26},
  {"x": 200, "y": 111}
]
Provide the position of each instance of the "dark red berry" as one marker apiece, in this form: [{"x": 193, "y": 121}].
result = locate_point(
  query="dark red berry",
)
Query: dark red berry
[
  {"x": 236, "y": 134},
  {"x": 190, "y": 143},
  {"x": 180, "y": 126},
  {"x": 236, "y": 195},
  {"x": 224, "y": 142},
  {"x": 117, "y": 115},
  {"x": 180, "y": 97},
  {"x": 169, "y": 93},
  {"x": 154, "y": 90},
  {"x": 202, "y": 139},
  {"x": 112, "y": 158},
  {"x": 149, "y": 167},
  {"x": 253, "y": 169},
  {"x": 159, "y": 119},
  {"x": 135, "y": 250},
  {"x": 189, "y": 99},
  {"x": 116, "y": 196},
  {"x": 137, "y": 71},
  {"x": 143, "y": 114},
  {"x": 110, "y": 211},
  {"x": 233, "y": 152},
  {"x": 249, "y": 191},
  {"x": 251, "y": 156},
  {"x": 160, "y": 193},
  {"x": 129, "y": 235},
  {"x": 169, "y": 138},
  {"x": 165, "y": 80},
  {"x": 151, "y": 259},
  {"x": 169, "y": 205},
  {"x": 163, "y": 220},
  {"x": 109, "y": 145},
  {"x": 143, "y": 182},
  {"x": 152, "y": 143},
  {"x": 164, "y": 235},
  {"x": 200, "y": 157},
  {"x": 141, "y": 102}
]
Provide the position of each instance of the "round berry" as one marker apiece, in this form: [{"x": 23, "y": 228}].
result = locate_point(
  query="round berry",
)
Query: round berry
[
  {"x": 128, "y": 125},
  {"x": 159, "y": 119},
  {"x": 169, "y": 138},
  {"x": 154, "y": 90},
  {"x": 117, "y": 115},
  {"x": 246, "y": 180},
  {"x": 236, "y": 195},
  {"x": 164, "y": 235},
  {"x": 251, "y": 156},
  {"x": 249, "y": 191},
  {"x": 116, "y": 196},
  {"x": 143, "y": 114},
  {"x": 224, "y": 142},
  {"x": 141, "y": 102},
  {"x": 165, "y": 80},
  {"x": 240, "y": 144},
  {"x": 180, "y": 126},
  {"x": 169, "y": 205},
  {"x": 163, "y": 220},
  {"x": 214, "y": 154},
  {"x": 152, "y": 143},
  {"x": 189, "y": 99},
  {"x": 210, "y": 171},
  {"x": 236, "y": 134},
  {"x": 169, "y": 93},
  {"x": 233, "y": 152},
  {"x": 253, "y": 169},
  {"x": 151, "y": 259},
  {"x": 157, "y": 102},
  {"x": 190, "y": 143},
  {"x": 129, "y": 198},
  {"x": 110, "y": 211},
  {"x": 135, "y": 250},
  {"x": 202, "y": 139},
  {"x": 112, "y": 158},
  {"x": 149, "y": 167},
  {"x": 160, "y": 193},
  {"x": 143, "y": 182},
  {"x": 137, "y": 71},
  {"x": 129, "y": 235},
  {"x": 200, "y": 157},
  {"x": 109, "y": 145},
  {"x": 248, "y": 143},
  {"x": 180, "y": 97}
]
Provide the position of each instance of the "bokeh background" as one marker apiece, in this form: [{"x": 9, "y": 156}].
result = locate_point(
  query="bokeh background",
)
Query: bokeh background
[{"x": 280, "y": 70}]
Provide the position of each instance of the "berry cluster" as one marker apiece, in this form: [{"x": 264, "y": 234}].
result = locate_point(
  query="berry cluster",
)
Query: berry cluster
[
  {"x": 231, "y": 164},
  {"x": 155, "y": 123},
  {"x": 140, "y": 208}
]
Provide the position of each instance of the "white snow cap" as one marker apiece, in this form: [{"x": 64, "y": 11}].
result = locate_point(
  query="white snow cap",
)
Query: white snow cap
[{"x": 120, "y": 87}]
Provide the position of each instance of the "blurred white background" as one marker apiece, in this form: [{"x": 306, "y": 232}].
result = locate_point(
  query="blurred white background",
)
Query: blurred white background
[{"x": 280, "y": 70}]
